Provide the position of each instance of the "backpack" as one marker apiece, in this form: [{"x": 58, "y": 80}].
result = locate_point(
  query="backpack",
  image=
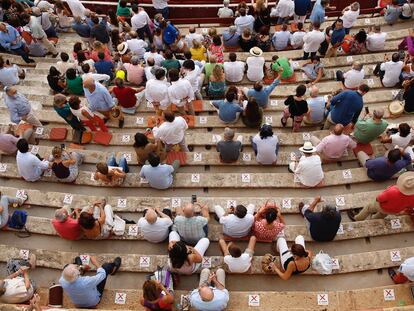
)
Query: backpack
[
  {"x": 18, "y": 220},
  {"x": 322, "y": 263}
]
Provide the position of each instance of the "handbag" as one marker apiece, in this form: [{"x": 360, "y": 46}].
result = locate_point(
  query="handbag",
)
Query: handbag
[
  {"x": 163, "y": 276},
  {"x": 119, "y": 226},
  {"x": 267, "y": 262},
  {"x": 322, "y": 263}
]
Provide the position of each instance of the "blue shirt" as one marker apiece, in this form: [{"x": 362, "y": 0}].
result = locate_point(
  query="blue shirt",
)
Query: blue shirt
[
  {"x": 219, "y": 302},
  {"x": 227, "y": 111},
  {"x": 318, "y": 13},
  {"x": 230, "y": 39},
  {"x": 346, "y": 107},
  {"x": 82, "y": 29},
  {"x": 262, "y": 97},
  {"x": 302, "y": 7},
  {"x": 281, "y": 39},
  {"x": 316, "y": 105},
  {"x": 170, "y": 34},
  {"x": 105, "y": 67},
  {"x": 83, "y": 292},
  {"x": 6, "y": 38},
  {"x": 159, "y": 177},
  {"x": 337, "y": 36},
  {"x": 18, "y": 106},
  {"x": 380, "y": 169},
  {"x": 100, "y": 99}
]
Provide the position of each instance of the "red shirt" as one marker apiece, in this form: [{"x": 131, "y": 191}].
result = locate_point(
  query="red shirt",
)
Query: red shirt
[
  {"x": 393, "y": 201},
  {"x": 126, "y": 96},
  {"x": 69, "y": 230},
  {"x": 262, "y": 233}
]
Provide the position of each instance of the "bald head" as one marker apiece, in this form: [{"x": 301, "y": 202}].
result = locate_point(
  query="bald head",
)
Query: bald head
[
  {"x": 314, "y": 91},
  {"x": 338, "y": 129},
  {"x": 206, "y": 293},
  {"x": 151, "y": 216},
  {"x": 378, "y": 113},
  {"x": 188, "y": 210},
  {"x": 89, "y": 84}
]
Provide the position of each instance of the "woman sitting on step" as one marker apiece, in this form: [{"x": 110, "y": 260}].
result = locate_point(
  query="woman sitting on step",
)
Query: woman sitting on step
[
  {"x": 97, "y": 220},
  {"x": 156, "y": 297},
  {"x": 112, "y": 173},
  {"x": 268, "y": 223},
  {"x": 65, "y": 165}
]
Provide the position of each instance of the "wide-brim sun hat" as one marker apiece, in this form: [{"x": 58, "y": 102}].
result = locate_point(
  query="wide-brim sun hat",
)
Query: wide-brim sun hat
[
  {"x": 256, "y": 51},
  {"x": 307, "y": 147},
  {"x": 405, "y": 183},
  {"x": 396, "y": 108},
  {"x": 122, "y": 48}
]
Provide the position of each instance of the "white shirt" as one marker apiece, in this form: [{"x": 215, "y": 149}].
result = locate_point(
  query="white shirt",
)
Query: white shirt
[
  {"x": 44, "y": 5},
  {"x": 392, "y": 73},
  {"x": 29, "y": 166},
  {"x": 234, "y": 71},
  {"x": 148, "y": 73},
  {"x": 193, "y": 77},
  {"x": 376, "y": 41},
  {"x": 157, "y": 91},
  {"x": 255, "y": 68},
  {"x": 225, "y": 12},
  {"x": 63, "y": 66},
  {"x": 312, "y": 41},
  {"x": 9, "y": 75},
  {"x": 238, "y": 265},
  {"x": 407, "y": 268},
  {"x": 243, "y": 22},
  {"x": 160, "y": 4},
  {"x": 353, "y": 78},
  {"x": 158, "y": 58},
  {"x": 180, "y": 92},
  {"x": 402, "y": 142},
  {"x": 98, "y": 77},
  {"x": 193, "y": 36},
  {"x": 266, "y": 149},
  {"x": 284, "y": 8},
  {"x": 137, "y": 46},
  {"x": 171, "y": 133},
  {"x": 237, "y": 227},
  {"x": 139, "y": 20},
  {"x": 296, "y": 39},
  {"x": 407, "y": 9},
  {"x": 156, "y": 232},
  {"x": 349, "y": 18},
  {"x": 309, "y": 170}
]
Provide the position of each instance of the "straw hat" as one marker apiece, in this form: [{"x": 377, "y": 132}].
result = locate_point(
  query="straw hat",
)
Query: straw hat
[
  {"x": 256, "y": 51},
  {"x": 122, "y": 48},
  {"x": 396, "y": 108},
  {"x": 307, "y": 147},
  {"x": 405, "y": 183}
]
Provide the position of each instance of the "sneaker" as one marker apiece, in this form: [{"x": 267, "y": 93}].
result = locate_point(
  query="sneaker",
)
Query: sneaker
[
  {"x": 22, "y": 200},
  {"x": 117, "y": 263},
  {"x": 77, "y": 261}
]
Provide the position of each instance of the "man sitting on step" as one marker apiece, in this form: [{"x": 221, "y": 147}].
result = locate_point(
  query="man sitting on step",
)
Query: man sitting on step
[
  {"x": 211, "y": 294},
  {"x": 237, "y": 221},
  {"x": 155, "y": 224},
  {"x": 189, "y": 226},
  {"x": 370, "y": 127},
  {"x": 87, "y": 291}
]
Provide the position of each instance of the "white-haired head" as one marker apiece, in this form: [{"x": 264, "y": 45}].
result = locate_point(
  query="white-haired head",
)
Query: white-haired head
[
  {"x": 61, "y": 214},
  {"x": 71, "y": 273}
]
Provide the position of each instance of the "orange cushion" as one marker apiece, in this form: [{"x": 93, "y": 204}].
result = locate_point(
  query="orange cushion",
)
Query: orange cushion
[
  {"x": 152, "y": 121},
  {"x": 176, "y": 155},
  {"x": 21, "y": 128},
  {"x": 76, "y": 146},
  {"x": 367, "y": 148},
  {"x": 101, "y": 138},
  {"x": 190, "y": 120},
  {"x": 292, "y": 79},
  {"x": 198, "y": 105},
  {"x": 58, "y": 133}
]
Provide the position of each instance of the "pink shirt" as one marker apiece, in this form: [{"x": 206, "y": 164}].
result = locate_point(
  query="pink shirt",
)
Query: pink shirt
[
  {"x": 334, "y": 146},
  {"x": 264, "y": 234},
  {"x": 8, "y": 143},
  {"x": 135, "y": 73}
]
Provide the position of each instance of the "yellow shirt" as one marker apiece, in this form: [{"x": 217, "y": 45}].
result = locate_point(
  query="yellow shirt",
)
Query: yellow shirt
[{"x": 199, "y": 54}]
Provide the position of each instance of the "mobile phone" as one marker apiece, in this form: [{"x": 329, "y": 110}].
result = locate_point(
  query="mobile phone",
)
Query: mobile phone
[
  {"x": 366, "y": 110},
  {"x": 62, "y": 146},
  {"x": 193, "y": 198}
]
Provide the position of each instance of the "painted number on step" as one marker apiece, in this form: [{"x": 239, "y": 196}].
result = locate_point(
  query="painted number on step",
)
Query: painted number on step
[
  {"x": 39, "y": 130},
  {"x": 340, "y": 201},
  {"x": 389, "y": 294},
  {"x": 85, "y": 259},
  {"x": 322, "y": 299},
  {"x": 24, "y": 254},
  {"x": 133, "y": 230},
  {"x": 144, "y": 261},
  {"x": 198, "y": 157},
  {"x": 247, "y": 157},
  {"x": 195, "y": 178},
  {"x": 120, "y": 298},
  {"x": 347, "y": 174},
  {"x": 206, "y": 262},
  {"x": 3, "y": 167},
  {"x": 231, "y": 203},
  {"x": 175, "y": 202},
  {"x": 287, "y": 203},
  {"x": 21, "y": 194},
  {"x": 126, "y": 138},
  {"x": 68, "y": 199},
  {"x": 122, "y": 203},
  {"x": 254, "y": 300},
  {"x": 335, "y": 263},
  {"x": 246, "y": 178},
  {"x": 395, "y": 223},
  {"x": 203, "y": 120},
  {"x": 395, "y": 255}
]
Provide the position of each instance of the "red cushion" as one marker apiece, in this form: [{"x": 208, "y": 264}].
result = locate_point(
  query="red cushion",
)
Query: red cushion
[
  {"x": 58, "y": 134},
  {"x": 176, "y": 155},
  {"x": 367, "y": 148},
  {"x": 152, "y": 121},
  {"x": 291, "y": 79},
  {"x": 102, "y": 138}
]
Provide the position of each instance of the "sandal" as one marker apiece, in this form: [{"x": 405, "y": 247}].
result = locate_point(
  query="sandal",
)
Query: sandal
[{"x": 283, "y": 122}]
